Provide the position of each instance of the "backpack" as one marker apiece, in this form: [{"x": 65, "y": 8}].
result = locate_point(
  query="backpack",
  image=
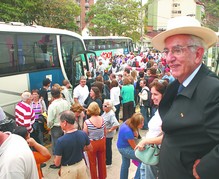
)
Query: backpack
[{"x": 147, "y": 102}]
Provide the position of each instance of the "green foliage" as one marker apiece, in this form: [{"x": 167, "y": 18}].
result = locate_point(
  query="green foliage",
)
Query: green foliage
[
  {"x": 115, "y": 17},
  {"x": 212, "y": 14},
  {"x": 51, "y": 13}
]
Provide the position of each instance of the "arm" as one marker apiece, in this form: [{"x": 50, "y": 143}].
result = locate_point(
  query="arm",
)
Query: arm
[
  {"x": 132, "y": 143},
  {"x": 88, "y": 148},
  {"x": 146, "y": 141},
  {"x": 112, "y": 129},
  {"x": 85, "y": 128},
  {"x": 57, "y": 160},
  {"x": 39, "y": 148},
  {"x": 50, "y": 117}
]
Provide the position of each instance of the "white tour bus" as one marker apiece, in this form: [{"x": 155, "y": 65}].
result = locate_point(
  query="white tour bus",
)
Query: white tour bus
[
  {"x": 29, "y": 54},
  {"x": 110, "y": 45}
]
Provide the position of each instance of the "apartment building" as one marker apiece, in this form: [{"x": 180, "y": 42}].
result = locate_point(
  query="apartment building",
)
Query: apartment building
[{"x": 159, "y": 11}]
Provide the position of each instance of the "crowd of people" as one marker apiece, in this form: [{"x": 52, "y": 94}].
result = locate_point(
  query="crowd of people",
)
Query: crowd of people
[{"x": 171, "y": 95}]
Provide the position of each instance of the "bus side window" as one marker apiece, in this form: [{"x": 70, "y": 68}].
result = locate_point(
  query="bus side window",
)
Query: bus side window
[{"x": 7, "y": 53}]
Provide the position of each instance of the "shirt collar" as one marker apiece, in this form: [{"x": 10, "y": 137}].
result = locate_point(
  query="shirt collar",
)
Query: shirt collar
[{"x": 189, "y": 79}]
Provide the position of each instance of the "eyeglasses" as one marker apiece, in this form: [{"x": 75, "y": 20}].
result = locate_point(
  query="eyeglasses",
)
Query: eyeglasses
[
  {"x": 105, "y": 106},
  {"x": 177, "y": 50}
]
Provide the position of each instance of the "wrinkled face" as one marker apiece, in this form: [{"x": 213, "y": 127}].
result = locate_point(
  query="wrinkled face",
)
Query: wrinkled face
[
  {"x": 156, "y": 96},
  {"x": 106, "y": 107},
  {"x": 182, "y": 56},
  {"x": 82, "y": 83}
]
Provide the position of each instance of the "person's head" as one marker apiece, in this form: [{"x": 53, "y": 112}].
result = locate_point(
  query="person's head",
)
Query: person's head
[
  {"x": 83, "y": 81},
  {"x": 143, "y": 83},
  {"x": 77, "y": 109},
  {"x": 35, "y": 94},
  {"x": 126, "y": 81},
  {"x": 184, "y": 43},
  {"x": 114, "y": 83},
  {"x": 99, "y": 78},
  {"x": 152, "y": 71},
  {"x": 22, "y": 131},
  {"x": 158, "y": 88},
  {"x": 108, "y": 105},
  {"x": 155, "y": 65},
  {"x": 94, "y": 92},
  {"x": 93, "y": 109},
  {"x": 67, "y": 120},
  {"x": 114, "y": 64},
  {"x": 46, "y": 82},
  {"x": 56, "y": 85},
  {"x": 141, "y": 74},
  {"x": 55, "y": 92},
  {"x": 136, "y": 121},
  {"x": 88, "y": 74},
  {"x": 134, "y": 74},
  {"x": 126, "y": 72},
  {"x": 66, "y": 83},
  {"x": 26, "y": 97},
  {"x": 120, "y": 76},
  {"x": 112, "y": 76}
]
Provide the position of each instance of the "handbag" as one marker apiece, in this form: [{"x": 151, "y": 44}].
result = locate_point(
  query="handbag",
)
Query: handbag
[{"x": 150, "y": 155}]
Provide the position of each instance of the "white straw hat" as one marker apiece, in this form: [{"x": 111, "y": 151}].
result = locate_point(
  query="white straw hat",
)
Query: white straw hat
[{"x": 184, "y": 25}]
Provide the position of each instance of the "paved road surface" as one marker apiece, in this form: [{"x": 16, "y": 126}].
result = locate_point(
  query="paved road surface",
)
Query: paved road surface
[{"x": 113, "y": 172}]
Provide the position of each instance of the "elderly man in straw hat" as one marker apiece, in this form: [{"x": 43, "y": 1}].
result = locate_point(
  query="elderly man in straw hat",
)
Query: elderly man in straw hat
[{"x": 190, "y": 107}]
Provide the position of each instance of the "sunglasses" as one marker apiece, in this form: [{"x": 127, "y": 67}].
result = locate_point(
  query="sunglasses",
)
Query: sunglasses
[{"x": 105, "y": 106}]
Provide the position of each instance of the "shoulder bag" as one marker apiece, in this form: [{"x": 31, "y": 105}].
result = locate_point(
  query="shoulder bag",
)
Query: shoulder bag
[{"x": 150, "y": 155}]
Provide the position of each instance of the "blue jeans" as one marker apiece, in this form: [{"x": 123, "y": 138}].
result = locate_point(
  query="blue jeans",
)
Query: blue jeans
[
  {"x": 144, "y": 112},
  {"x": 56, "y": 132},
  {"x": 127, "y": 154},
  {"x": 148, "y": 171}
]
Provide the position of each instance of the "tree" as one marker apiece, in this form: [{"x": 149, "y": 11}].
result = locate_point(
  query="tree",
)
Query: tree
[
  {"x": 51, "y": 13},
  {"x": 59, "y": 14},
  {"x": 115, "y": 17},
  {"x": 212, "y": 14}
]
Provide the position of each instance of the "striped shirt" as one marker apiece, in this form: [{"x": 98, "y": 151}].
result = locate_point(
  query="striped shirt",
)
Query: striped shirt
[
  {"x": 24, "y": 115},
  {"x": 95, "y": 133}
]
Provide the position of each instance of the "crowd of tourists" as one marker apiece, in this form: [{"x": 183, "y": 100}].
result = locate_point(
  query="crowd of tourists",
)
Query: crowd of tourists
[{"x": 161, "y": 93}]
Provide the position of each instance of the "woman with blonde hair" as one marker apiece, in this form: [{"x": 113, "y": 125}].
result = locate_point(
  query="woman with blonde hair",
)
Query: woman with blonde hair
[
  {"x": 79, "y": 115},
  {"x": 95, "y": 128},
  {"x": 126, "y": 143}
]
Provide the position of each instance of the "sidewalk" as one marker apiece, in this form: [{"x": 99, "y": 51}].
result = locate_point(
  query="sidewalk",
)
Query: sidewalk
[{"x": 113, "y": 172}]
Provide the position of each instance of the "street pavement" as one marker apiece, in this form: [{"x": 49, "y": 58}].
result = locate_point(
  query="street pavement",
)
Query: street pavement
[{"x": 113, "y": 172}]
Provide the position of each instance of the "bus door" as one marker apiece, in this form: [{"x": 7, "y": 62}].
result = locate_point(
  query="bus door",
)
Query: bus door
[
  {"x": 77, "y": 70},
  {"x": 91, "y": 59}
]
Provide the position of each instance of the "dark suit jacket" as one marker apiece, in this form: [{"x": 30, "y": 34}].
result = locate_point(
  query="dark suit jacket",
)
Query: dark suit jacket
[{"x": 191, "y": 127}]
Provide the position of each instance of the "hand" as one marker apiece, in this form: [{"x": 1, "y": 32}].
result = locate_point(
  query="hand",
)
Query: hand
[
  {"x": 31, "y": 142},
  {"x": 140, "y": 146},
  {"x": 195, "y": 174}
]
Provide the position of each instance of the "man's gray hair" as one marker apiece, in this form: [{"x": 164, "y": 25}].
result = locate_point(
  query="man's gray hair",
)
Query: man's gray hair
[
  {"x": 25, "y": 96},
  {"x": 67, "y": 116}
]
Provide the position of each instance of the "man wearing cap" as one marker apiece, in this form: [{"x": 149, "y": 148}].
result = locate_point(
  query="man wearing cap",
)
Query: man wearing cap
[{"x": 190, "y": 106}]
